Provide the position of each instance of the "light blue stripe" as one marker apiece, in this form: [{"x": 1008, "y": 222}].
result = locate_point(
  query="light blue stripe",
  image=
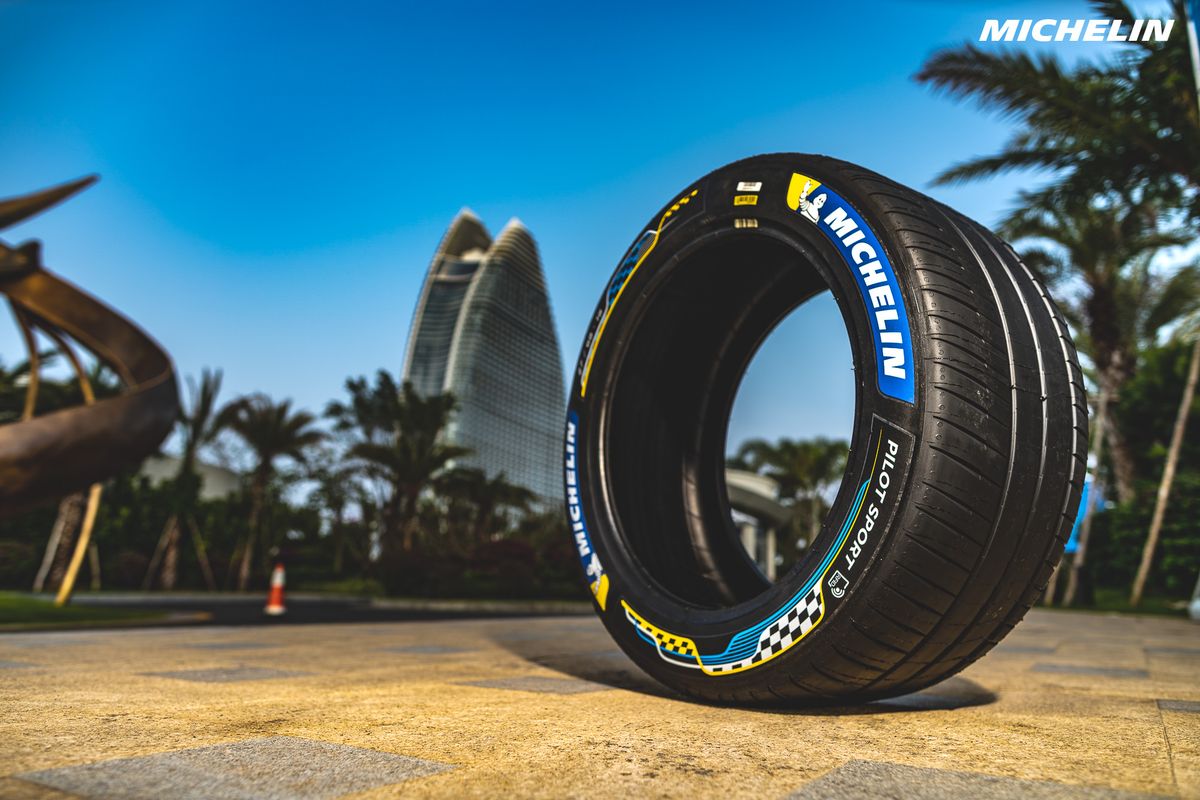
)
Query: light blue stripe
[{"x": 744, "y": 644}]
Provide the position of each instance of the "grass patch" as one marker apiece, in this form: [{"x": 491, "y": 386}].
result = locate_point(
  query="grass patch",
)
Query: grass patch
[
  {"x": 357, "y": 587},
  {"x": 18, "y": 611}
]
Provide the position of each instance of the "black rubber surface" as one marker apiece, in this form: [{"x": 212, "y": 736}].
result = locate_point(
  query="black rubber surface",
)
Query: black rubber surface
[{"x": 957, "y": 499}]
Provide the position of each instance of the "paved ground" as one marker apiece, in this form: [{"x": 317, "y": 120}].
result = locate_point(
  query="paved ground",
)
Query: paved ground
[{"x": 1070, "y": 706}]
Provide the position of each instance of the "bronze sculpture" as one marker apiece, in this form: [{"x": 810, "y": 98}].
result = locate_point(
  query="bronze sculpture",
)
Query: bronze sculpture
[{"x": 47, "y": 457}]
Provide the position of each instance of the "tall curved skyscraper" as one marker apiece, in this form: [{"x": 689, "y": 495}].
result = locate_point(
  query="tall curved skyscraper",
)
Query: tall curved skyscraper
[{"x": 484, "y": 331}]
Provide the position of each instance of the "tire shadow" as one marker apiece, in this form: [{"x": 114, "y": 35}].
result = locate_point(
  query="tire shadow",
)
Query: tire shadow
[
  {"x": 585, "y": 661},
  {"x": 611, "y": 667}
]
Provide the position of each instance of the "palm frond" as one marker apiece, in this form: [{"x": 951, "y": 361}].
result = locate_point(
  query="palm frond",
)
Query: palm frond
[{"x": 1177, "y": 298}]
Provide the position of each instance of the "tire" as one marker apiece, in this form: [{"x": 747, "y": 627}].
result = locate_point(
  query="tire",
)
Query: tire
[{"x": 966, "y": 458}]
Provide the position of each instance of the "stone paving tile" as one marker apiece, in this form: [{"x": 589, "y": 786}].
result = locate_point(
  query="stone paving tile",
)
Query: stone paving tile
[
  {"x": 1181, "y": 729},
  {"x": 227, "y": 674},
  {"x": 867, "y": 780},
  {"x": 1023, "y": 648},
  {"x": 1052, "y": 729},
  {"x": 1173, "y": 651},
  {"x": 427, "y": 649},
  {"x": 275, "y": 768},
  {"x": 42, "y": 640},
  {"x": 1082, "y": 669},
  {"x": 524, "y": 636},
  {"x": 1129, "y": 655},
  {"x": 1188, "y": 706},
  {"x": 537, "y": 683}
]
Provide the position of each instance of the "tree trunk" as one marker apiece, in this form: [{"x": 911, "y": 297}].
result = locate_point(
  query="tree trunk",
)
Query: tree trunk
[
  {"x": 170, "y": 567},
  {"x": 156, "y": 558},
  {"x": 201, "y": 554},
  {"x": 62, "y": 542},
  {"x": 91, "y": 508},
  {"x": 1052, "y": 586},
  {"x": 94, "y": 566},
  {"x": 387, "y": 525},
  {"x": 339, "y": 542},
  {"x": 410, "y": 521},
  {"x": 1168, "y": 477},
  {"x": 1115, "y": 366},
  {"x": 234, "y": 561},
  {"x": 814, "y": 526},
  {"x": 39, "y": 580},
  {"x": 1124, "y": 470},
  {"x": 258, "y": 490},
  {"x": 410, "y": 534},
  {"x": 1085, "y": 527},
  {"x": 243, "y": 582}
]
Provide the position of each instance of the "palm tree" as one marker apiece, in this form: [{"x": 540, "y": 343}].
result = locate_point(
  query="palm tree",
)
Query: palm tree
[
  {"x": 370, "y": 415},
  {"x": 1169, "y": 467},
  {"x": 200, "y": 424},
  {"x": 333, "y": 492},
  {"x": 804, "y": 471},
  {"x": 1131, "y": 122},
  {"x": 272, "y": 431},
  {"x": 490, "y": 498},
  {"x": 1129, "y": 127},
  {"x": 398, "y": 440},
  {"x": 1099, "y": 251}
]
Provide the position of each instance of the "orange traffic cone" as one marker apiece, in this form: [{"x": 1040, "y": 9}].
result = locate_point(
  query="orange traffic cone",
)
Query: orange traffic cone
[{"x": 275, "y": 606}]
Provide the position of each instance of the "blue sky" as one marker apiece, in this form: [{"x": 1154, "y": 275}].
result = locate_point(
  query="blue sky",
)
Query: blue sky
[{"x": 275, "y": 176}]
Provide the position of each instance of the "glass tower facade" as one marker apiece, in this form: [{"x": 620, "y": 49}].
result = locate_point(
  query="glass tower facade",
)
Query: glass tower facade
[{"x": 484, "y": 331}]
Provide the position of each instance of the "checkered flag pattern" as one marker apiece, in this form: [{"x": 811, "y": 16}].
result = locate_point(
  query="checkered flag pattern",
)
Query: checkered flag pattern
[
  {"x": 782, "y": 633},
  {"x": 795, "y": 624},
  {"x": 676, "y": 645}
]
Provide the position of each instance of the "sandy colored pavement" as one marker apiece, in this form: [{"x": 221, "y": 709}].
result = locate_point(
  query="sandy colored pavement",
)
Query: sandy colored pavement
[{"x": 1069, "y": 706}]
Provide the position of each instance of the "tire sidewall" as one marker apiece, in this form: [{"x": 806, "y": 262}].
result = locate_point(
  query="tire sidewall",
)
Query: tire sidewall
[{"x": 711, "y": 212}]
